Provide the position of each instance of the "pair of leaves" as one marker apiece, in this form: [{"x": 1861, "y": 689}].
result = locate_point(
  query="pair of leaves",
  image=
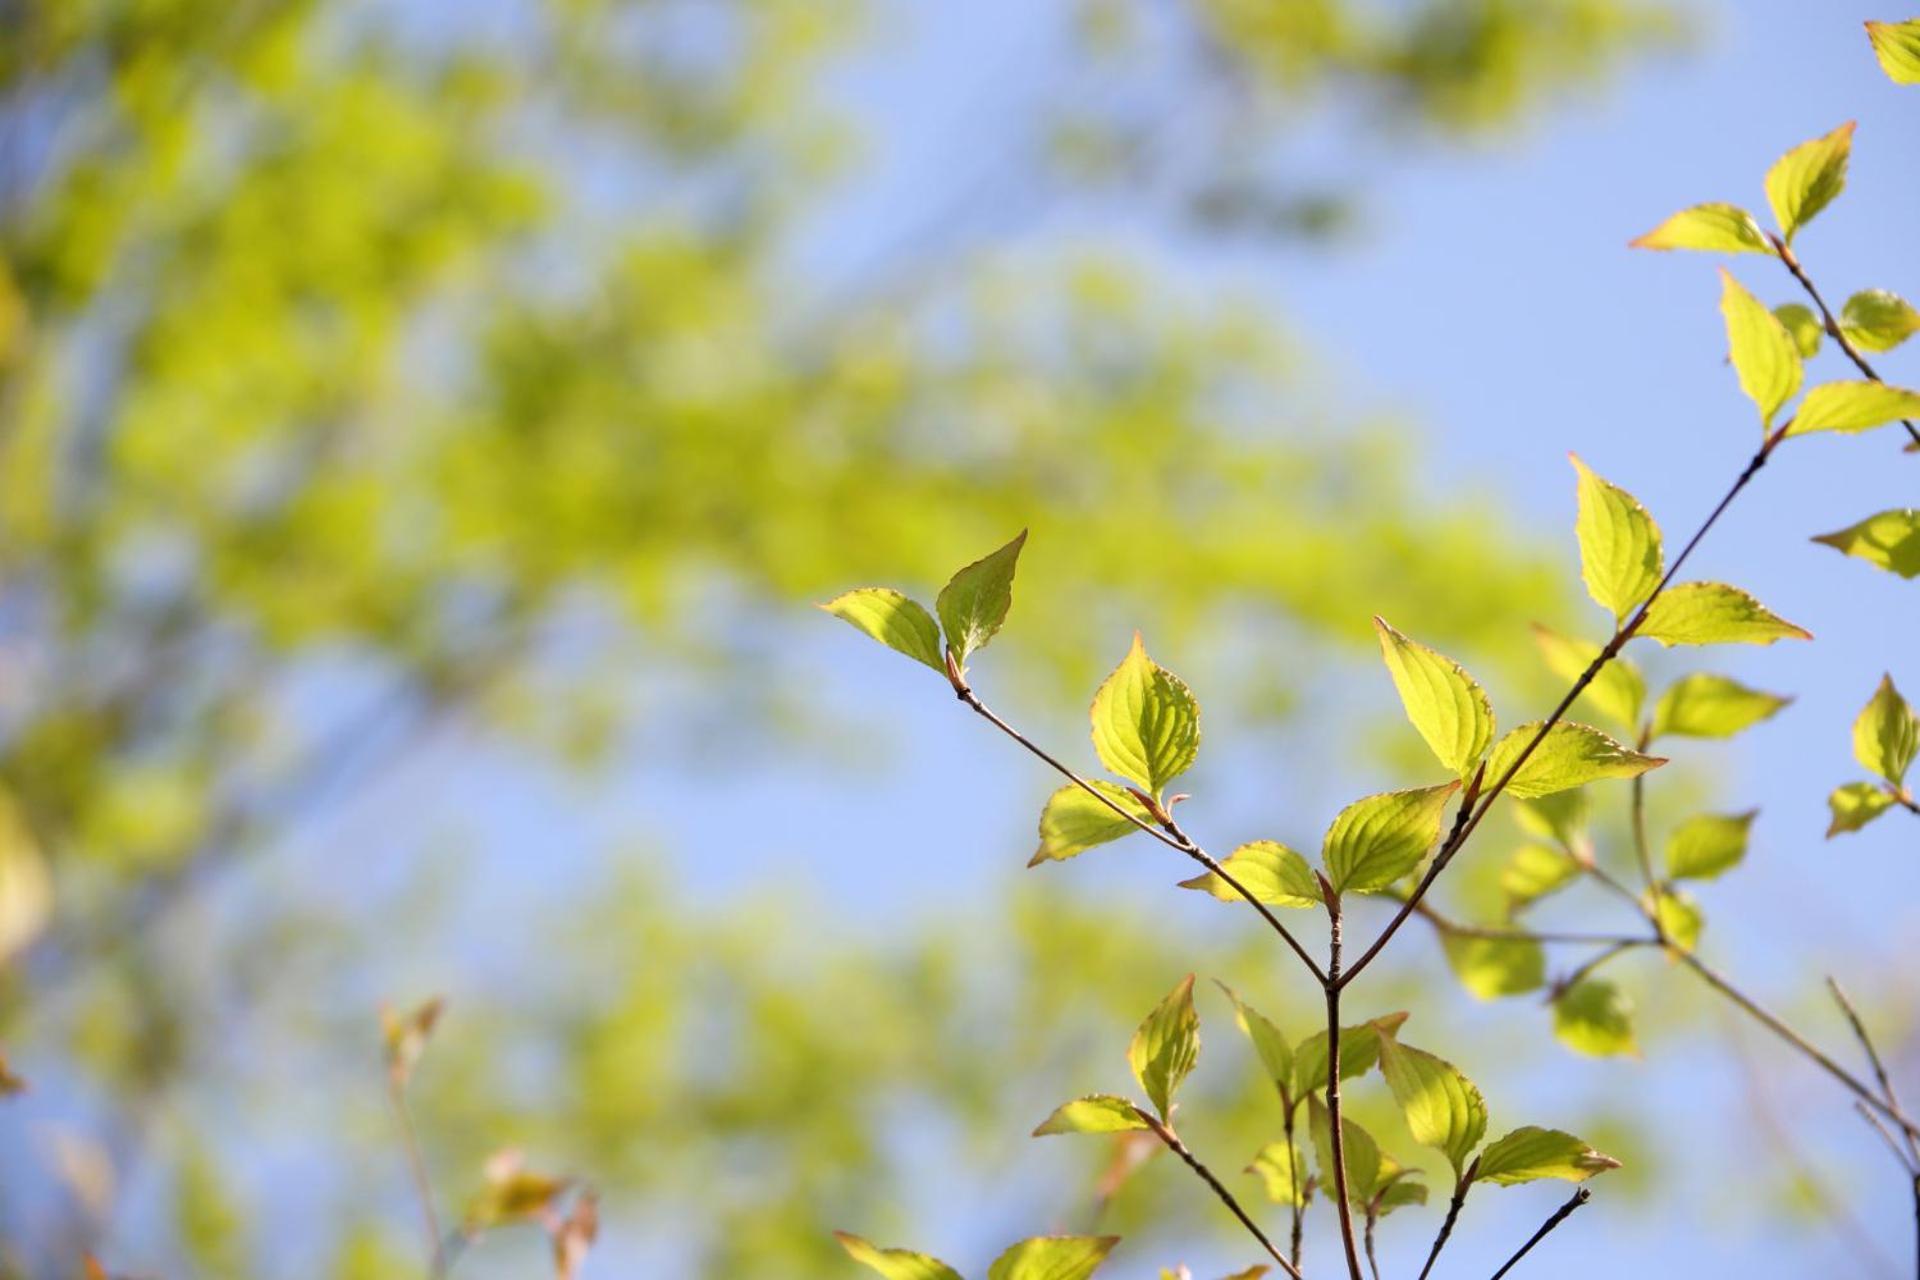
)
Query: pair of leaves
[
  {"x": 1886, "y": 735},
  {"x": 1799, "y": 185},
  {"x": 972, "y": 607},
  {"x": 1767, "y": 361},
  {"x": 1038, "y": 1258}
]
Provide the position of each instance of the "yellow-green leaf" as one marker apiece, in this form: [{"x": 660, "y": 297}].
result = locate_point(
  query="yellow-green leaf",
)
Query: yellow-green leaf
[
  {"x": 1854, "y": 806},
  {"x": 1359, "y": 1050},
  {"x": 1616, "y": 692},
  {"x": 1363, "y": 1159},
  {"x": 1708, "y": 844},
  {"x": 1853, "y": 406},
  {"x": 1890, "y": 540},
  {"x": 975, "y": 602},
  {"x": 1877, "y": 320},
  {"x": 1271, "y": 872},
  {"x": 894, "y": 1264},
  {"x": 1166, "y": 1046},
  {"x": 1053, "y": 1258},
  {"x": 1445, "y": 704},
  {"x": 1531, "y": 1153},
  {"x": 1620, "y": 553},
  {"x": 1571, "y": 755},
  {"x": 1897, "y": 45},
  {"x": 1284, "y": 1171},
  {"x": 1276, "y": 1056},
  {"x": 1494, "y": 967},
  {"x": 1378, "y": 839},
  {"x": 1594, "y": 1017},
  {"x": 1146, "y": 723},
  {"x": 1533, "y": 871},
  {"x": 1442, "y": 1107},
  {"x": 1704, "y": 705},
  {"x": 1560, "y": 817},
  {"x": 1402, "y": 1190},
  {"x": 1764, "y": 357},
  {"x": 1095, "y": 1113},
  {"x": 1714, "y": 613},
  {"x": 1712, "y": 228},
  {"x": 1885, "y": 733},
  {"x": 1073, "y": 821},
  {"x": 900, "y": 623},
  {"x": 1803, "y": 325},
  {"x": 1680, "y": 917},
  {"x": 1806, "y": 179}
]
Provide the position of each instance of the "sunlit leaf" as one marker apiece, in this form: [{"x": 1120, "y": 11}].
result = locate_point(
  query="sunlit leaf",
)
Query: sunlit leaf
[
  {"x": 1166, "y": 1046},
  {"x": 1620, "y": 551},
  {"x": 1890, "y": 540},
  {"x": 1073, "y": 821},
  {"x": 1361, "y": 1153},
  {"x": 1806, "y": 179},
  {"x": 1146, "y": 723},
  {"x": 1853, "y": 406},
  {"x": 1715, "y": 613},
  {"x": 1378, "y": 839},
  {"x": 1712, "y": 228},
  {"x": 1594, "y": 1017},
  {"x": 1570, "y": 755},
  {"x": 1885, "y": 733},
  {"x": 1445, "y": 704},
  {"x": 1359, "y": 1050},
  {"x": 1854, "y": 806},
  {"x": 1095, "y": 1113},
  {"x": 1276, "y": 1056},
  {"x": 1442, "y": 1107},
  {"x": 1560, "y": 817},
  {"x": 1897, "y": 45},
  {"x": 1703, "y": 705},
  {"x": 1803, "y": 325},
  {"x": 1053, "y": 1258},
  {"x": 1270, "y": 871},
  {"x": 1283, "y": 1169},
  {"x": 1764, "y": 357},
  {"x": 1494, "y": 967},
  {"x": 1616, "y": 692},
  {"x": 1877, "y": 320},
  {"x": 1533, "y": 871},
  {"x": 899, "y": 623},
  {"x": 1681, "y": 919},
  {"x": 1708, "y": 844},
  {"x": 1529, "y": 1153},
  {"x": 974, "y": 603}
]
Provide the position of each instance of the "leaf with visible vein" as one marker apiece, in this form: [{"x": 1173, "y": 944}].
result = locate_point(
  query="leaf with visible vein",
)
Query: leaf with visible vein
[
  {"x": 1714, "y": 613},
  {"x": 1808, "y": 178},
  {"x": 1271, "y": 872},
  {"x": 1714, "y": 227},
  {"x": 1445, "y": 704},
  {"x": 1571, "y": 755},
  {"x": 1764, "y": 357}
]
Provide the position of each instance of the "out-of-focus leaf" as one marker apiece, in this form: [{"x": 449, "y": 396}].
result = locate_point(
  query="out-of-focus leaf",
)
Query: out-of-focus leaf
[
  {"x": 1854, "y": 806},
  {"x": 1885, "y": 733},
  {"x": 1878, "y": 320},
  {"x": 1594, "y": 1017},
  {"x": 1708, "y": 845},
  {"x": 1053, "y": 1258},
  {"x": 1806, "y": 179},
  {"x": 1269, "y": 1043},
  {"x": 1704, "y": 705},
  {"x": 1616, "y": 691},
  {"x": 1890, "y": 540},
  {"x": 1897, "y": 45},
  {"x": 1494, "y": 967},
  {"x": 1283, "y": 1169},
  {"x": 1803, "y": 325},
  {"x": 1095, "y": 1113},
  {"x": 1535, "y": 870},
  {"x": 894, "y": 1264}
]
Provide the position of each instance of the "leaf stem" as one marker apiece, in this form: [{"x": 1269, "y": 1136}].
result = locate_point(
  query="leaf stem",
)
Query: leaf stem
[
  {"x": 1336, "y": 1139},
  {"x": 1296, "y": 1176},
  {"x": 1832, "y": 325},
  {"x": 417, "y": 1172},
  {"x": 1460, "y": 1189},
  {"x": 1560, "y": 1215},
  {"x": 1205, "y": 1174}
]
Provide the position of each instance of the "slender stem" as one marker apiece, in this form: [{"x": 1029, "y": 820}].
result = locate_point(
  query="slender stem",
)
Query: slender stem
[
  {"x": 1205, "y": 1174},
  {"x": 1373, "y": 1262},
  {"x": 1832, "y": 325},
  {"x": 1336, "y": 1139},
  {"x": 1295, "y": 1175},
  {"x": 1642, "y": 853},
  {"x": 1171, "y": 835},
  {"x": 1886, "y": 1135},
  {"x": 1472, "y": 813},
  {"x": 1446, "y": 1225},
  {"x": 1594, "y": 962},
  {"x": 1873, "y": 1058},
  {"x": 1560, "y": 1215},
  {"x": 417, "y": 1170},
  {"x": 1499, "y": 933}
]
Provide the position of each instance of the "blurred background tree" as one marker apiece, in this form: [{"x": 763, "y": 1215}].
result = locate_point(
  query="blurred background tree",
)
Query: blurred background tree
[{"x": 487, "y": 384}]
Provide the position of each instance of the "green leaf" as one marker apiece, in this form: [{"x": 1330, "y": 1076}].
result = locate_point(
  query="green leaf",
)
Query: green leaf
[
  {"x": 1803, "y": 326},
  {"x": 1885, "y": 734},
  {"x": 1359, "y": 1050},
  {"x": 894, "y": 1264},
  {"x": 1711, "y": 228},
  {"x": 1531, "y": 1153},
  {"x": 1711, "y": 706},
  {"x": 975, "y": 601},
  {"x": 1890, "y": 540},
  {"x": 1494, "y": 967},
  {"x": 1361, "y": 1152},
  {"x": 1853, "y": 406},
  {"x": 1146, "y": 724},
  {"x": 1897, "y": 45},
  {"x": 1442, "y": 1107},
  {"x": 1284, "y": 1170},
  {"x": 1595, "y": 1018},
  {"x": 1763, "y": 354},
  {"x": 1095, "y": 1113},
  {"x": 1074, "y": 822},
  {"x": 1378, "y": 839},
  {"x": 1560, "y": 817},
  {"x": 1708, "y": 845},
  {"x": 1617, "y": 692},
  {"x": 1877, "y": 320},
  {"x": 1680, "y": 917},
  {"x": 1714, "y": 613},
  {"x": 1806, "y": 179},
  {"x": 1276, "y": 1056},
  {"x": 1053, "y": 1258},
  {"x": 1571, "y": 755},
  {"x": 1166, "y": 1046},
  {"x": 1271, "y": 872},
  {"x": 1620, "y": 553},
  {"x": 1854, "y": 806},
  {"x": 1533, "y": 871},
  {"x": 897, "y": 622},
  {"x": 1445, "y": 704},
  {"x": 1404, "y": 1190}
]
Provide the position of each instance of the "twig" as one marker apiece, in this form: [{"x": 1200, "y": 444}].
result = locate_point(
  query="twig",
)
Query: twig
[
  {"x": 1909, "y": 1158},
  {"x": 1373, "y": 1262},
  {"x": 417, "y": 1170},
  {"x": 1832, "y": 325},
  {"x": 1336, "y": 1139},
  {"x": 1560, "y": 1215},
  {"x": 1295, "y": 1176},
  {"x": 1446, "y": 1225},
  {"x": 1179, "y": 1148}
]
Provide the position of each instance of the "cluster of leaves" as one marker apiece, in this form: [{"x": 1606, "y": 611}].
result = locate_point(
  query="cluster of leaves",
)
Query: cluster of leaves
[{"x": 1885, "y": 736}]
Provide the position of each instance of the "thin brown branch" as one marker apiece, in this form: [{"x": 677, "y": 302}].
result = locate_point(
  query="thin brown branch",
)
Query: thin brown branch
[
  {"x": 1879, "y": 1066},
  {"x": 1446, "y": 1225},
  {"x": 1225, "y": 1196},
  {"x": 1336, "y": 1140},
  {"x": 1373, "y": 1260},
  {"x": 417, "y": 1172},
  {"x": 1830, "y": 323},
  {"x": 1502, "y": 933},
  {"x": 1296, "y": 1175},
  {"x": 1560, "y": 1215}
]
